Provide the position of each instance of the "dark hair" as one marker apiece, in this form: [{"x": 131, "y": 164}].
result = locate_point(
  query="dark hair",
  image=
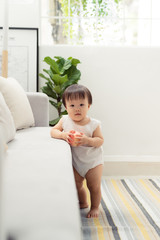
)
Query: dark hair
[{"x": 76, "y": 91}]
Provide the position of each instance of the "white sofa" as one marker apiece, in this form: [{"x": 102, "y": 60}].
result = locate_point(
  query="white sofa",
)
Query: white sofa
[{"x": 40, "y": 199}]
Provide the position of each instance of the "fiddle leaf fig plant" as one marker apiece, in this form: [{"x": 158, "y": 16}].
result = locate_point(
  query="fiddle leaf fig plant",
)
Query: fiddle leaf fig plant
[{"x": 61, "y": 74}]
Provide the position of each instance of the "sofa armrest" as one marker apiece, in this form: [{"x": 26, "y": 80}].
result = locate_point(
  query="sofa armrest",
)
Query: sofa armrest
[{"x": 40, "y": 107}]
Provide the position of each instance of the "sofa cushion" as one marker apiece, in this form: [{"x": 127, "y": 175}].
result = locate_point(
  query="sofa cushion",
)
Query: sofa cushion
[
  {"x": 6, "y": 121},
  {"x": 17, "y": 102}
]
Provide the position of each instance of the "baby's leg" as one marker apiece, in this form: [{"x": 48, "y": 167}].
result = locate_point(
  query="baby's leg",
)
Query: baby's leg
[
  {"x": 80, "y": 189},
  {"x": 93, "y": 178}
]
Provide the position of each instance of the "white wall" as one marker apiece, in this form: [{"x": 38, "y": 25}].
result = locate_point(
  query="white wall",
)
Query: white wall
[
  {"x": 125, "y": 83},
  {"x": 21, "y": 15}
]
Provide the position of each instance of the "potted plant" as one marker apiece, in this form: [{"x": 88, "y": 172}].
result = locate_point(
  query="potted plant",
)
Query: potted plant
[{"x": 61, "y": 74}]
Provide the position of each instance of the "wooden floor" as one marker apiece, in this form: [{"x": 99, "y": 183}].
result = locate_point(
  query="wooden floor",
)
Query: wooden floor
[{"x": 131, "y": 168}]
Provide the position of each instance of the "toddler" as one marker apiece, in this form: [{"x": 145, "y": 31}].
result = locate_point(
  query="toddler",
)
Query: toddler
[{"x": 87, "y": 155}]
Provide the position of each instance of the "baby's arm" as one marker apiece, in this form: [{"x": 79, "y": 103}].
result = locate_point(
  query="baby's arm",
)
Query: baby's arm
[
  {"x": 57, "y": 132},
  {"x": 95, "y": 141}
]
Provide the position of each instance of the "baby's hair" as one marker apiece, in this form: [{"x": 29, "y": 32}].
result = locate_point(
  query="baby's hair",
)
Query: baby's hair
[{"x": 76, "y": 91}]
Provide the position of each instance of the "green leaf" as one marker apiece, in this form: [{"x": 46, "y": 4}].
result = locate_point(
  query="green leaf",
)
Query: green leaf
[
  {"x": 57, "y": 89},
  {"x": 58, "y": 57},
  {"x": 52, "y": 63},
  {"x": 60, "y": 62},
  {"x": 59, "y": 104},
  {"x": 49, "y": 72},
  {"x": 64, "y": 113},
  {"x": 54, "y": 122},
  {"x": 43, "y": 76},
  {"x": 54, "y": 104},
  {"x": 59, "y": 79},
  {"x": 75, "y": 61},
  {"x": 48, "y": 90},
  {"x": 56, "y": 79},
  {"x": 74, "y": 73},
  {"x": 63, "y": 79},
  {"x": 67, "y": 84},
  {"x": 67, "y": 64}
]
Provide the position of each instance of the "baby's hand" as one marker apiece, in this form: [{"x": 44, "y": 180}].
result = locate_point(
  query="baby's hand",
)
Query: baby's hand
[
  {"x": 82, "y": 140},
  {"x": 67, "y": 137},
  {"x": 74, "y": 138}
]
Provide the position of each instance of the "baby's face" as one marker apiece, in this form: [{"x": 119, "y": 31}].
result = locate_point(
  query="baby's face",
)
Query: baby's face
[{"x": 77, "y": 109}]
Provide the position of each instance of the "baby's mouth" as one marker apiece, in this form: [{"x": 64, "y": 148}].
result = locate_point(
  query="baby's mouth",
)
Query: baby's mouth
[{"x": 77, "y": 114}]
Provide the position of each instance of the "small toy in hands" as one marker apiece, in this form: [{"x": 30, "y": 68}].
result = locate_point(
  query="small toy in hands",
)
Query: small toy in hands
[{"x": 74, "y": 138}]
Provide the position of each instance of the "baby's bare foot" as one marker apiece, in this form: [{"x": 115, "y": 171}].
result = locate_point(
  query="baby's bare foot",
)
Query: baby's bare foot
[
  {"x": 93, "y": 213},
  {"x": 83, "y": 205}
]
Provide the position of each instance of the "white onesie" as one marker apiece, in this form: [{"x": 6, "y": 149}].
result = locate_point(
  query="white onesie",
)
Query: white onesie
[{"x": 84, "y": 157}]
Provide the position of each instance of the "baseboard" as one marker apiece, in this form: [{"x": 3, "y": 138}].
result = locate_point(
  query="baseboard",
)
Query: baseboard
[
  {"x": 131, "y": 158},
  {"x": 118, "y": 165}
]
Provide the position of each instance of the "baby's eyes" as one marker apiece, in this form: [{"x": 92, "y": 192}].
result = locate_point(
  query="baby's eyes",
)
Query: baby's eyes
[{"x": 81, "y": 105}]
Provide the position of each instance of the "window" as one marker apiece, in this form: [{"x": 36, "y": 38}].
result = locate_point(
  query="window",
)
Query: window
[{"x": 100, "y": 22}]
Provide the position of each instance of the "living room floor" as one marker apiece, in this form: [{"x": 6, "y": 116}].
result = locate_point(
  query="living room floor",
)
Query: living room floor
[{"x": 129, "y": 209}]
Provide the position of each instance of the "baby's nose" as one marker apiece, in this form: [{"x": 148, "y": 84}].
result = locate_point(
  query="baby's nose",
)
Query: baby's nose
[{"x": 77, "y": 108}]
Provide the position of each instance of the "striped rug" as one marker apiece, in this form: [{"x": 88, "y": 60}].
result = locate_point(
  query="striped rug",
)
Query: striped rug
[{"x": 129, "y": 210}]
